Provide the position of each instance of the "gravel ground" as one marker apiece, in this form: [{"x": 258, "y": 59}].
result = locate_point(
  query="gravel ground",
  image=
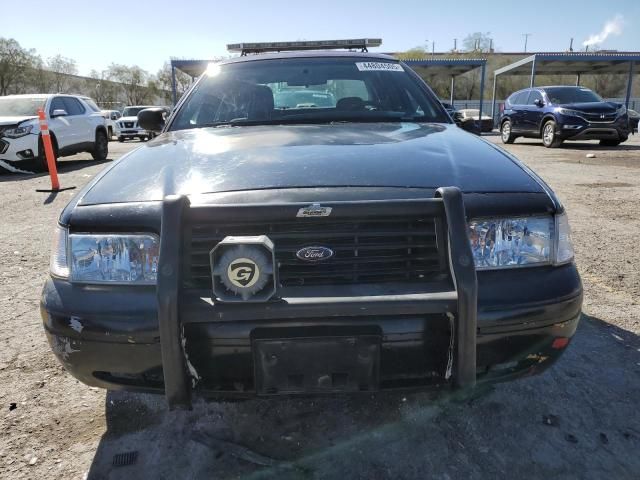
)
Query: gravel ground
[{"x": 577, "y": 420}]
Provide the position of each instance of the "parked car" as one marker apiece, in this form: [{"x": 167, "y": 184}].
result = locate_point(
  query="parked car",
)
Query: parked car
[
  {"x": 75, "y": 125},
  {"x": 486, "y": 125},
  {"x": 127, "y": 127},
  {"x": 110, "y": 119},
  {"x": 560, "y": 113},
  {"x": 256, "y": 250},
  {"x": 467, "y": 124},
  {"x": 634, "y": 118}
]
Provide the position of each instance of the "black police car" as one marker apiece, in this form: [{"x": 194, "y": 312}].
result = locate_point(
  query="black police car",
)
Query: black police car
[
  {"x": 556, "y": 114},
  {"x": 260, "y": 248}
]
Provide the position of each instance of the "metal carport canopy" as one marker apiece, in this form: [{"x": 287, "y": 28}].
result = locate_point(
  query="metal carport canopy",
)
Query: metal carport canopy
[
  {"x": 572, "y": 64},
  {"x": 453, "y": 67}
]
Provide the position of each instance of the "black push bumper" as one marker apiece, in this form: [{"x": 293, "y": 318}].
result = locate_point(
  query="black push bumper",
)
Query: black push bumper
[{"x": 138, "y": 341}]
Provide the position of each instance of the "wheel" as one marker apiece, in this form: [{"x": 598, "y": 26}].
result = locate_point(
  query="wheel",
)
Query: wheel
[
  {"x": 121, "y": 139},
  {"x": 505, "y": 132},
  {"x": 101, "y": 146},
  {"x": 549, "y": 138},
  {"x": 110, "y": 133},
  {"x": 40, "y": 164}
]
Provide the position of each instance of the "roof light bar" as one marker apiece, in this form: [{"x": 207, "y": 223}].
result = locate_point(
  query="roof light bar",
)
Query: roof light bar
[{"x": 358, "y": 43}]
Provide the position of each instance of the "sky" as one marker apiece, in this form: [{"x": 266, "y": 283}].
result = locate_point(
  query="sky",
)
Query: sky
[{"x": 148, "y": 33}]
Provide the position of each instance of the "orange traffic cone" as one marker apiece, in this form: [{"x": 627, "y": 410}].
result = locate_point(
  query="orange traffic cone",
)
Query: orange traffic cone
[{"x": 48, "y": 151}]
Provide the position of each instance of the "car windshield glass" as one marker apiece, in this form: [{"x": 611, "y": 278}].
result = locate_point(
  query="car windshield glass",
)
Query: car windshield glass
[
  {"x": 572, "y": 95},
  {"x": 20, "y": 107},
  {"x": 307, "y": 90},
  {"x": 132, "y": 111}
]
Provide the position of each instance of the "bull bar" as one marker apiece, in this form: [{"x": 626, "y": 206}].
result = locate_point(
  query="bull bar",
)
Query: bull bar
[{"x": 447, "y": 205}]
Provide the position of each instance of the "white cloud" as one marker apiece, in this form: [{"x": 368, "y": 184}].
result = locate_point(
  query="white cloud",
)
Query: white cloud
[{"x": 611, "y": 27}]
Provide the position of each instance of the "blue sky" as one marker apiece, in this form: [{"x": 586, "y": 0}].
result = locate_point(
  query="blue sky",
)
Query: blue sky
[{"x": 146, "y": 33}]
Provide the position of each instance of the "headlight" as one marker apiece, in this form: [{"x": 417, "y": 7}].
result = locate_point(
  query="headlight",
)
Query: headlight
[
  {"x": 568, "y": 111},
  {"x": 105, "y": 258},
  {"x": 59, "y": 265},
  {"x": 522, "y": 241},
  {"x": 18, "y": 132},
  {"x": 564, "y": 247},
  {"x": 621, "y": 110}
]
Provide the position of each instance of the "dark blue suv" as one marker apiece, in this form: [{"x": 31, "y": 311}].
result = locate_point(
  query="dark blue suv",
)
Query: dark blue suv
[{"x": 556, "y": 114}]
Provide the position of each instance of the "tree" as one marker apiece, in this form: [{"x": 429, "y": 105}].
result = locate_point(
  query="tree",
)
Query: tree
[
  {"x": 163, "y": 82},
  {"x": 134, "y": 82},
  {"x": 478, "y": 42},
  {"x": 61, "y": 69},
  {"x": 105, "y": 92},
  {"x": 15, "y": 61}
]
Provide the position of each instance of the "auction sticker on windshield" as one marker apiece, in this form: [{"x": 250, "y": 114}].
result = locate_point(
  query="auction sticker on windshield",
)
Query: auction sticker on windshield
[{"x": 379, "y": 66}]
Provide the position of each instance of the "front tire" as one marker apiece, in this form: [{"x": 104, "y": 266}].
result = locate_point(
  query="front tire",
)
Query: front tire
[
  {"x": 505, "y": 132},
  {"x": 40, "y": 162},
  {"x": 101, "y": 146},
  {"x": 549, "y": 137},
  {"x": 121, "y": 139}
]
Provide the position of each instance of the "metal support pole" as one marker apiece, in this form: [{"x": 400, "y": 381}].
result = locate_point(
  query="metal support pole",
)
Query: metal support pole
[
  {"x": 481, "y": 95},
  {"x": 533, "y": 73},
  {"x": 629, "y": 84},
  {"x": 453, "y": 87},
  {"x": 493, "y": 98},
  {"x": 174, "y": 93},
  {"x": 578, "y": 80}
]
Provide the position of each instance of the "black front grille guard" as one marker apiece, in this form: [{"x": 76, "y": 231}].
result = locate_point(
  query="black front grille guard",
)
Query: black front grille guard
[{"x": 448, "y": 205}]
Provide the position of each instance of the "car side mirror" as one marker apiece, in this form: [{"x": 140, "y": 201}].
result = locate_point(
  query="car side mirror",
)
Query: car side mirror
[
  {"x": 538, "y": 103},
  {"x": 152, "y": 119},
  {"x": 59, "y": 112}
]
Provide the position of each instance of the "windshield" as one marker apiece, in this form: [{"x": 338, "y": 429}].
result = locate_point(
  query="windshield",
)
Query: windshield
[
  {"x": 307, "y": 90},
  {"x": 132, "y": 111},
  {"x": 571, "y": 95},
  {"x": 20, "y": 107}
]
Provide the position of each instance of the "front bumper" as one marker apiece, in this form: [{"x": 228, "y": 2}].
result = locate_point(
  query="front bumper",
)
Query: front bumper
[
  {"x": 575, "y": 128},
  {"x": 130, "y": 132},
  {"x": 116, "y": 345},
  {"x": 18, "y": 154},
  {"x": 153, "y": 339}
]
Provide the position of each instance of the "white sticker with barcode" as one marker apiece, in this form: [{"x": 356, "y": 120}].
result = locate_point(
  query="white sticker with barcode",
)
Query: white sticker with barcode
[{"x": 379, "y": 67}]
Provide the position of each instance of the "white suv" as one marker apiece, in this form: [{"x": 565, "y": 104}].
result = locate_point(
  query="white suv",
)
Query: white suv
[
  {"x": 75, "y": 124},
  {"x": 127, "y": 126}
]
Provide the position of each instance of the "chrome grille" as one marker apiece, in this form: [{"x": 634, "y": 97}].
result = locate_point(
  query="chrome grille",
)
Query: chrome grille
[
  {"x": 599, "y": 118},
  {"x": 379, "y": 250}
]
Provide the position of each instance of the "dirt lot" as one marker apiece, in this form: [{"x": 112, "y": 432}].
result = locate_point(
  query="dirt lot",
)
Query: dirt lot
[{"x": 578, "y": 420}]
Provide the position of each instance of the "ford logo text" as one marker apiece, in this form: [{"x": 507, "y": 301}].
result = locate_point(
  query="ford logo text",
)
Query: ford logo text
[{"x": 314, "y": 254}]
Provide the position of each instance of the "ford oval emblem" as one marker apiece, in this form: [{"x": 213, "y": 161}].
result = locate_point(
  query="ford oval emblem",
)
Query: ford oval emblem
[{"x": 314, "y": 254}]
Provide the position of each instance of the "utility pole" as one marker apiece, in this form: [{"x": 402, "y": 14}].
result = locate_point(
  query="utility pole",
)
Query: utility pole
[
  {"x": 433, "y": 49},
  {"x": 526, "y": 39},
  {"x": 571, "y": 45},
  {"x": 455, "y": 44}
]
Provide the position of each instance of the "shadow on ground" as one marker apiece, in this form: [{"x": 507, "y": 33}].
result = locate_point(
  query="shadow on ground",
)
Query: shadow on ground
[
  {"x": 581, "y": 146},
  {"x": 577, "y": 420}
]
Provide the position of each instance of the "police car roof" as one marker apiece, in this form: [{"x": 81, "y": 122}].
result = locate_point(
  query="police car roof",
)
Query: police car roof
[{"x": 309, "y": 54}]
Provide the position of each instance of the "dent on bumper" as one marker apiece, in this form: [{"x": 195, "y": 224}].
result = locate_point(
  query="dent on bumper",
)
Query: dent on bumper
[{"x": 115, "y": 344}]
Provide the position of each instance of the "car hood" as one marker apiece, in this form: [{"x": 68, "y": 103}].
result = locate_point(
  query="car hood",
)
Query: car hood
[
  {"x": 405, "y": 155},
  {"x": 15, "y": 120},
  {"x": 592, "y": 107}
]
